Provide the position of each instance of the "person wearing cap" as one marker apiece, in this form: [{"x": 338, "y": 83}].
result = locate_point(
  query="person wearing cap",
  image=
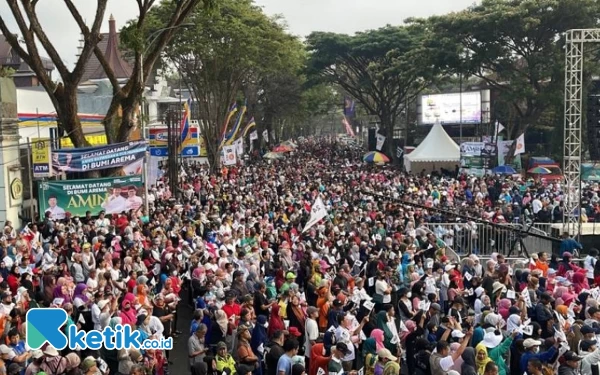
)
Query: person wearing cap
[
  {"x": 532, "y": 351},
  {"x": 338, "y": 351},
  {"x": 391, "y": 365},
  {"x": 37, "y": 357},
  {"x": 245, "y": 354},
  {"x": 53, "y": 362},
  {"x": 223, "y": 361},
  {"x": 89, "y": 366},
  {"x": 442, "y": 360},
  {"x": 571, "y": 364}
]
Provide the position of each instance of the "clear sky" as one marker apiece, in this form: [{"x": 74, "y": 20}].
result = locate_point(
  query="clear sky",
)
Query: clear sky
[{"x": 302, "y": 16}]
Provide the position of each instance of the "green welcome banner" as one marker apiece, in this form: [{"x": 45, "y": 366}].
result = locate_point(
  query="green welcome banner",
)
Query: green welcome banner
[{"x": 112, "y": 195}]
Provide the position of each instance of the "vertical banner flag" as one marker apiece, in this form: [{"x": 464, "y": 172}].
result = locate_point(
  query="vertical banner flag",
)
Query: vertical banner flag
[
  {"x": 399, "y": 152},
  {"x": 186, "y": 132},
  {"x": 349, "y": 107},
  {"x": 347, "y": 125},
  {"x": 520, "y": 147},
  {"x": 239, "y": 146},
  {"x": 229, "y": 155},
  {"x": 230, "y": 137},
  {"x": 498, "y": 128},
  {"x": 266, "y": 136},
  {"x": 380, "y": 141},
  {"x": 253, "y": 135},
  {"x": 251, "y": 125},
  {"x": 40, "y": 156},
  {"x": 232, "y": 110},
  {"x": 317, "y": 212}
]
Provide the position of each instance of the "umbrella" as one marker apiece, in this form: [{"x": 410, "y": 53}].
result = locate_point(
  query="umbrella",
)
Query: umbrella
[
  {"x": 504, "y": 169},
  {"x": 283, "y": 148},
  {"x": 290, "y": 144},
  {"x": 273, "y": 155},
  {"x": 375, "y": 157},
  {"x": 539, "y": 170}
]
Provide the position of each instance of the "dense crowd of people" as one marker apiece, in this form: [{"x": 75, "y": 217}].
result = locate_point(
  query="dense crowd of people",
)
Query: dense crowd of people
[{"x": 367, "y": 290}]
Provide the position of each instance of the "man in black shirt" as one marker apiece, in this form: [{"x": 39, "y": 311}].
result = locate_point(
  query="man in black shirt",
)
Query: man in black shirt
[
  {"x": 275, "y": 352},
  {"x": 261, "y": 303}
]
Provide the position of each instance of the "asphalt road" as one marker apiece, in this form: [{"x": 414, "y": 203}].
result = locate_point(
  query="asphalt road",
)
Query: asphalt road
[{"x": 179, "y": 355}]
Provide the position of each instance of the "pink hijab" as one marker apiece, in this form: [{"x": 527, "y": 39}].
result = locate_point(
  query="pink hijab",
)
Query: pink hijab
[{"x": 377, "y": 334}]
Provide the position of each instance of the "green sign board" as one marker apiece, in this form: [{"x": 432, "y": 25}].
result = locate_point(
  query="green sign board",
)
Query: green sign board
[{"x": 111, "y": 195}]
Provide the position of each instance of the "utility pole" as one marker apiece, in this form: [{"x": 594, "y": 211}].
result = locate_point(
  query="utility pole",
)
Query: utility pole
[{"x": 172, "y": 131}]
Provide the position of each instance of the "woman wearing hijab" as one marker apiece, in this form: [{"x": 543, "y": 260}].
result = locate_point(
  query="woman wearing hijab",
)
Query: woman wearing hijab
[
  {"x": 378, "y": 335},
  {"x": 580, "y": 282},
  {"x": 128, "y": 314},
  {"x": 79, "y": 296},
  {"x": 382, "y": 323},
  {"x": 369, "y": 352},
  {"x": 503, "y": 307},
  {"x": 259, "y": 339},
  {"x": 481, "y": 358},
  {"x": 141, "y": 325},
  {"x": 468, "y": 366},
  {"x": 275, "y": 320},
  {"x": 61, "y": 291},
  {"x": 296, "y": 316},
  {"x": 219, "y": 329}
]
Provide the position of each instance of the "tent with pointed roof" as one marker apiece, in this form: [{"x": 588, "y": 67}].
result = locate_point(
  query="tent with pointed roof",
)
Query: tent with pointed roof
[{"x": 436, "y": 151}]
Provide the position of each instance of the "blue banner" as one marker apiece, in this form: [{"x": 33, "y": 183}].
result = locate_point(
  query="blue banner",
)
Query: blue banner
[
  {"x": 98, "y": 158},
  {"x": 189, "y": 151}
]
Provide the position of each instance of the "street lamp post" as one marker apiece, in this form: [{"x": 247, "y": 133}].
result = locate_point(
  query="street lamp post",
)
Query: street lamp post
[{"x": 151, "y": 39}]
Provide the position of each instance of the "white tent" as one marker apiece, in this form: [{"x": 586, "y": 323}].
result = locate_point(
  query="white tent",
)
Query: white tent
[{"x": 436, "y": 151}]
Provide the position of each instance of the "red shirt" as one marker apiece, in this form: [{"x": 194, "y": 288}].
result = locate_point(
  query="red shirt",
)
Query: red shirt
[{"x": 231, "y": 310}]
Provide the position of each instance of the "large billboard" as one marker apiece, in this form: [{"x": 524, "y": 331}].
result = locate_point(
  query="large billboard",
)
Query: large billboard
[
  {"x": 446, "y": 108},
  {"x": 111, "y": 195}
]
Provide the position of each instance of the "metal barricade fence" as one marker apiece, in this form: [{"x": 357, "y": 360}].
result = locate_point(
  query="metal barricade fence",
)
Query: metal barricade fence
[{"x": 481, "y": 239}]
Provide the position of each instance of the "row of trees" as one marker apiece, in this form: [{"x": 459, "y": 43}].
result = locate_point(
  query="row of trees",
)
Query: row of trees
[{"x": 234, "y": 52}]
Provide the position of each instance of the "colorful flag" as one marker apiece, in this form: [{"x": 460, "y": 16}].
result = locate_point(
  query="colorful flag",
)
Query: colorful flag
[
  {"x": 349, "y": 107},
  {"x": 230, "y": 138},
  {"x": 251, "y": 124},
  {"x": 232, "y": 110},
  {"x": 348, "y": 127},
  {"x": 520, "y": 147},
  {"x": 185, "y": 131}
]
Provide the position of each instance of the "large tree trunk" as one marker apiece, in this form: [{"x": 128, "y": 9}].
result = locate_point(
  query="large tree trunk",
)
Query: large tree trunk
[
  {"x": 66, "y": 95},
  {"x": 387, "y": 130}
]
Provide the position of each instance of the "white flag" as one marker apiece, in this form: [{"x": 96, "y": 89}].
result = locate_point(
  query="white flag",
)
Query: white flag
[
  {"x": 253, "y": 135},
  {"x": 380, "y": 141},
  {"x": 239, "y": 146},
  {"x": 499, "y": 127},
  {"x": 520, "y": 147},
  {"x": 317, "y": 212},
  {"x": 266, "y": 136},
  {"x": 229, "y": 156}
]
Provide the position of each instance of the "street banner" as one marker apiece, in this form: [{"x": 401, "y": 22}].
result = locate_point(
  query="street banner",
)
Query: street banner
[
  {"x": 111, "y": 195},
  {"x": 193, "y": 146},
  {"x": 265, "y": 135},
  {"x": 503, "y": 154},
  {"x": 239, "y": 146},
  {"x": 229, "y": 155},
  {"x": 40, "y": 155},
  {"x": 97, "y": 158},
  {"x": 380, "y": 142},
  {"x": 471, "y": 160},
  {"x": 253, "y": 135}
]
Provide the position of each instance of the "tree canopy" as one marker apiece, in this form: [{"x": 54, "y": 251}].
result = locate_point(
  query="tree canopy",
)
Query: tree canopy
[
  {"x": 235, "y": 53},
  {"x": 515, "y": 48},
  {"x": 382, "y": 69}
]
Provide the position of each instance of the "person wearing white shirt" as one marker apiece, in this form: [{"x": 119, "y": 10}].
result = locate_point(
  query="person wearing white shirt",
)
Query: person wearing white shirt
[
  {"x": 56, "y": 212},
  {"x": 115, "y": 203},
  {"x": 536, "y": 205},
  {"x": 589, "y": 264},
  {"x": 343, "y": 334},
  {"x": 382, "y": 288},
  {"x": 311, "y": 332},
  {"x": 102, "y": 222}
]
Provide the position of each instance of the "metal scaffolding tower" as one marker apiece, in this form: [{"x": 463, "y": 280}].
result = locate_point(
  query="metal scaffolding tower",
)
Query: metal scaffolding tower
[{"x": 574, "y": 45}]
